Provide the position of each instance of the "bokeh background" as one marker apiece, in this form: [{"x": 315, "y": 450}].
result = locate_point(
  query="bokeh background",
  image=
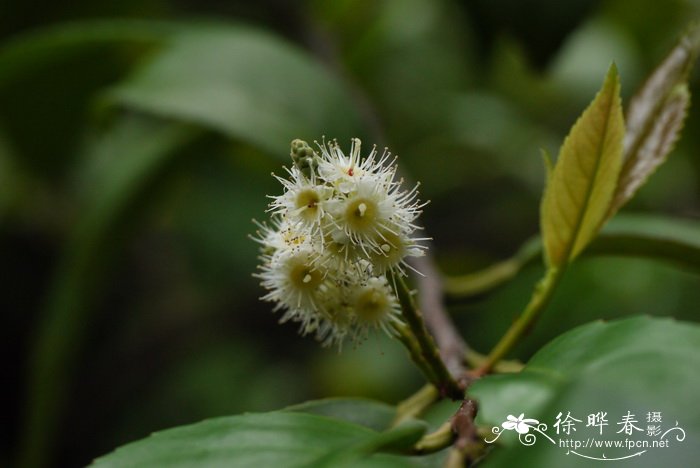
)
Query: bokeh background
[{"x": 137, "y": 140}]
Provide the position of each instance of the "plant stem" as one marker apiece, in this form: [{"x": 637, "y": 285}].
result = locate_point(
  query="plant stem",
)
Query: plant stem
[
  {"x": 436, "y": 441},
  {"x": 414, "y": 405},
  {"x": 480, "y": 283},
  {"x": 455, "y": 459},
  {"x": 448, "y": 339},
  {"x": 475, "y": 359},
  {"x": 403, "y": 333},
  {"x": 446, "y": 385},
  {"x": 540, "y": 298}
]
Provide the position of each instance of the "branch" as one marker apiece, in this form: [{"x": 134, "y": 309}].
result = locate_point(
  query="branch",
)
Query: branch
[{"x": 450, "y": 343}]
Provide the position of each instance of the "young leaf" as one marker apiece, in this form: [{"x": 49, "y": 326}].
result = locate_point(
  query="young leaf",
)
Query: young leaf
[
  {"x": 580, "y": 188},
  {"x": 655, "y": 118}
]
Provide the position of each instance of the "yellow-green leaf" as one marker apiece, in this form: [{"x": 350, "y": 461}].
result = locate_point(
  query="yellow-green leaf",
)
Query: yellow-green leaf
[
  {"x": 655, "y": 118},
  {"x": 580, "y": 189}
]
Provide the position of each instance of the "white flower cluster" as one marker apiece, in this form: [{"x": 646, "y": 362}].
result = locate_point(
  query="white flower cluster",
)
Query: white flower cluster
[{"x": 340, "y": 226}]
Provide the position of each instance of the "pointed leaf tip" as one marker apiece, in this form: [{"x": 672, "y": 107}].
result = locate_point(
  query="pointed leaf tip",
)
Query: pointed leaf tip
[{"x": 579, "y": 191}]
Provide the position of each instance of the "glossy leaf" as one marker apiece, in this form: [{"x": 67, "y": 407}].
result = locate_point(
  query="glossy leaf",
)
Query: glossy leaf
[
  {"x": 285, "y": 438},
  {"x": 579, "y": 191},
  {"x": 639, "y": 365},
  {"x": 369, "y": 413},
  {"x": 244, "y": 83},
  {"x": 655, "y": 118}
]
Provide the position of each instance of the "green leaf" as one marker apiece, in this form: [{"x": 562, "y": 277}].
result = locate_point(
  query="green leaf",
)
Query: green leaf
[
  {"x": 674, "y": 240},
  {"x": 655, "y": 118},
  {"x": 578, "y": 194},
  {"x": 286, "y": 438},
  {"x": 369, "y": 413},
  {"x": 81, "y": 59},
  {"x": 28, "y": 52},
  {"x": 639, "y": 365},
  {"x": 244, "y": 83}
]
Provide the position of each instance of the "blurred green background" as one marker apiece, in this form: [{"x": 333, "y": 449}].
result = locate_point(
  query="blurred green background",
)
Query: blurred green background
[{"x": 137, "y": 140}]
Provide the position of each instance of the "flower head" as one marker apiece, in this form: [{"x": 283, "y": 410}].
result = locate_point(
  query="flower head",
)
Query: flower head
[{"x": 341, "y": 224}]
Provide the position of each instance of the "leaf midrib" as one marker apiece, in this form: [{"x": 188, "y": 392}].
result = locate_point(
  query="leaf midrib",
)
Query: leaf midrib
[{"x": 596, "y": 173}]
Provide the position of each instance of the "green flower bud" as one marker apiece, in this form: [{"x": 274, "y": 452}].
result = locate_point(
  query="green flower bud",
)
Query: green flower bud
[{"x": 304, "y": 157}]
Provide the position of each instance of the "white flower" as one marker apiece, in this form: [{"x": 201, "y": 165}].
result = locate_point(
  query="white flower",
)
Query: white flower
[
  {"x": 372, "y": 211},
  {"x": 295, "y": 281},
  {"x": 393, "y": 251},
  {"x": 374, "y": 305},
  {"x": 303, "y": 200},
  {"x": 522, "y": 426},
  {"x": 342, "y": 172},
  {"x": 340, "y": 225}
]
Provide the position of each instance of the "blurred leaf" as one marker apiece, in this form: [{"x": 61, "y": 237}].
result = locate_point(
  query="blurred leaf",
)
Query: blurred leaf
[
  {"x": 577, "y": 67},
  {"x": 30, "y": 51},
  {"x": 655, "y": 118},
  {"x": 48, "y": 78},
  {"x": 654, "y": 237},
  {"x": 283, "y": 438},
  {"x": 212, "y": 203},
  {"x": 368, "y": 413},
  {"x": 639, "y": 365},
  {"x": 578, "y": 194},
  {"x": 132, "y": 152},
  {"x": 242, "y": 82},
  {"x": 653, "y": 25},
  {"x": 407, "y": 58},
  {"x": 487, "y": 122}
]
